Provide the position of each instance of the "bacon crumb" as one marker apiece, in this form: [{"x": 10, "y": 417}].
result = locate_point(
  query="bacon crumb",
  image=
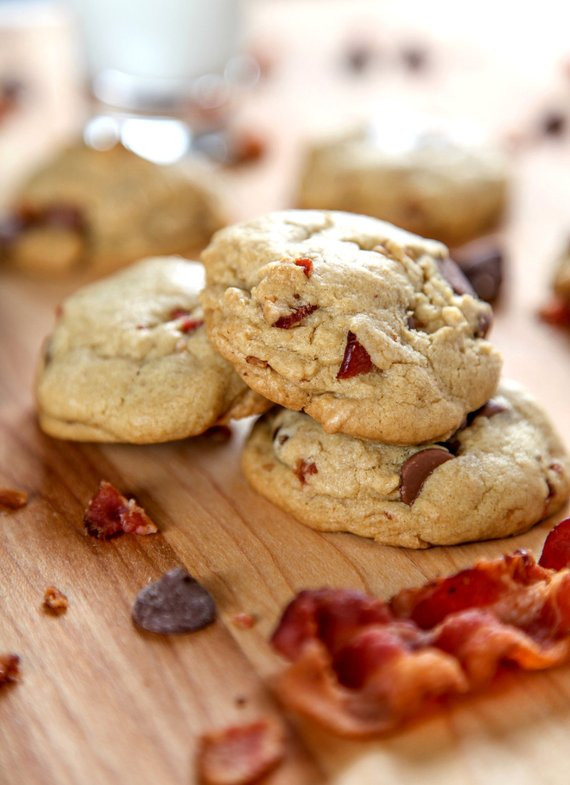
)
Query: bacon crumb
[
  {"x": 240, "y": 755},
  {"x": 9, "y": 668},
  {"x": 110, "y": 514},
  {"x": 257, "y": 361},
  {"x": 55, "y": 601},
  {"x": 243, "y": 621},
  {"x": 307, "y": 266},
  {"x": 556, "y": 312},
  {"x": 295, "y": 317},
  {"x": 303, "y": 469},
  {"x": 189, "y": 325},
  {"x": 363, "y": 667},
  {"x": 356, "y": 359},
  {"x": 12, "y": 498}
]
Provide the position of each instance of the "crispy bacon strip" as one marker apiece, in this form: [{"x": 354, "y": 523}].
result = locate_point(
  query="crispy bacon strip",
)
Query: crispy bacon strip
[
  {"x": 110, "y": 514},
  {"x": 556, "y": 549},
  {"x": 361, "y": 666},
  {"x": 241, "y": 754}
]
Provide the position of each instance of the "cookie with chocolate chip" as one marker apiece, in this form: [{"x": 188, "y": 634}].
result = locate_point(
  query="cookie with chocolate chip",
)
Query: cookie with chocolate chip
[
  {"x": 103, "y": 209},
  {"x": 129, "y": 361},
  {"x": 427, "y": 182},
  {"x": 504, "y": 471},
  {"x": 371, "y": 330}
]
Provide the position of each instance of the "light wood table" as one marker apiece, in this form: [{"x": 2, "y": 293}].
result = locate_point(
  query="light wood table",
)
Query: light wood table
[{"x": 102, "y": 704}]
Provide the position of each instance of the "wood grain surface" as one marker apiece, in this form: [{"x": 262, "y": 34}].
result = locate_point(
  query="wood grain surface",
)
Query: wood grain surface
[{"x": 101, "y": 703}]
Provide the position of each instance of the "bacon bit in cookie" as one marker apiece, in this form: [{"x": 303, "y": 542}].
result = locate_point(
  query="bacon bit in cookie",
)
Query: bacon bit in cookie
[
  {"x": 292, "y": 319},
  {"x": 361, "y": 666},
  {"x": 243, "y": 621},
  {"x": 307, "y": 266},
  {"x": 304, "y": 469},
  {"x": 12, "y": 498},
  {"x": 257, "y": 361},
  {"x": 110, "y": 514},
  {"x": 9, "y": 668},
  {"x": 55, "y": 601},
  {"x": 240, "y": 755},
  {"x": 556, "y": 313},
  {"x": 356, "y": 359},
  {"x": 556, "y": 550},
  {"x": 178, "y": 313},
  {"x": 189, "y": 325}
]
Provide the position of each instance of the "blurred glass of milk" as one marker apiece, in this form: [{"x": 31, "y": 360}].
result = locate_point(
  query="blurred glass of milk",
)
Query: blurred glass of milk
[{"x": 159, "y": 59}]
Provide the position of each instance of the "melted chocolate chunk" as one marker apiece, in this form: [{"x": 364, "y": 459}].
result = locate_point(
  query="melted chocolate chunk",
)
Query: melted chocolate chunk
[
  {"x": 484, "y": 322},
  {"x": 173, "y": 605},
  {"x": 417, "y": 469},
  {"x": 454, "y": 277}
]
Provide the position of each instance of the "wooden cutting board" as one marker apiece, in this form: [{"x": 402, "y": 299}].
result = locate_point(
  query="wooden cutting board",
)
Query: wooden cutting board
[{"x": 104, "y": 704}]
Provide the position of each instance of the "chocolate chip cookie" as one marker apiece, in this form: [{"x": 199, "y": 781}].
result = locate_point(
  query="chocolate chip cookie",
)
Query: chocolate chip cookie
[
  {"x": 425, "y": 182},
  {"x": 105, "y": 209},
  {"x": 371, "y": 330},
  {"x": 497, "y": 476},
  {"x": 129, "y": 361}
]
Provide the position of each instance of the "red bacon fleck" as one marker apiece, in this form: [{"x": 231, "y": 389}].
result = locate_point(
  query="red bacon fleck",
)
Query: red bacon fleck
[
  {"x": 12, "y": 498},
  {"x": 189, "y": 325},
  {"x": 307, "y": 266},
  {"x": 295, "y": 317},
  {"x": 241, "y": 754},
  {"x": 177, "y": 313},
  {"x": 356, "y": 359},
  {"x": 361, "y": 666},
  {"x": 304, "y": 469},
  {"x": 556, "y": 313},
  {"x": 9, "y": 668},
  {"x": 110, "y": 514},
  {"x": 556, "y": 549},
  {"x": 243, "y": 621}
]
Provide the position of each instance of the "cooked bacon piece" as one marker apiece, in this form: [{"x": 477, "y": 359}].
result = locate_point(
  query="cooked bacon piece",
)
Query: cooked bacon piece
[
  {"x": 307, "y": 266},
  {"x": 361, "y": 666},
  {"x": 241, "y": 754},
  {"x": 556, "y": 312},
  {"x": 12, "y": 498},
  {"x": 356, "y": 359},
  {"x": 292, "y": 319},
  {"x": 110, "y": 514},
  {"x": 9, "y": 668},
  {"x": 556, "y": 549},
  {"x": 243, "y": 621}
]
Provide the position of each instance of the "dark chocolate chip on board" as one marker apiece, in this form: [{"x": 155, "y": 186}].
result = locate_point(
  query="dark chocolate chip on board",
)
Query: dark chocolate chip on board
[{"x": 174, "y": 604}]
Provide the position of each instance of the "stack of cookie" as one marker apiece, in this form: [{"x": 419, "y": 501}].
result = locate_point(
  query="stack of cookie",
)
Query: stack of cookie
[{"x": 395, "y": 424}]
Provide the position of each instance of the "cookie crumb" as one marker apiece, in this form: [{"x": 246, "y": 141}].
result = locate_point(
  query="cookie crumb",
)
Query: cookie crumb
[
  {"x": 12, "y": 498},
  {"x": 55, "y": 601}
]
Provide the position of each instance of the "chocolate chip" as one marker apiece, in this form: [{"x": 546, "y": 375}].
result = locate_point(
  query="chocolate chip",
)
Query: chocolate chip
[
  {"x": 488, "y": 409},
  {"x": 417, "y": 469},
  {"x": 358, "y": 57},
  {"x": 414, "y": 57},
  {"x": 482, "y": 264},
  {"x": 454, "y": 277},
  {"x": 413, "y": 322},
  {"x": 173, "y": 605},
  {"x": 553, "y": 123},
  {"x": 63, "y": 216}
]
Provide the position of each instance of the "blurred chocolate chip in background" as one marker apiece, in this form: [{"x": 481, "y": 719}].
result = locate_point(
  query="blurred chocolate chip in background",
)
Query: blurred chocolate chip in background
[
  {"x": 482, "y": 262},
  {"x": 414, "y": 57},
  {"x": 358, "y": 57},
  {"x": 11, "y": 91},
  {"x": 553, "y": 123}
]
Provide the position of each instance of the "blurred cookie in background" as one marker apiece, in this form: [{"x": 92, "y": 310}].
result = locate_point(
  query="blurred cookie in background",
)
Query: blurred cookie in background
[
  {"x": 421, "y": 180},
  {"x": 557, "y": 310},
  {"x": 104, "y": 209}
]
